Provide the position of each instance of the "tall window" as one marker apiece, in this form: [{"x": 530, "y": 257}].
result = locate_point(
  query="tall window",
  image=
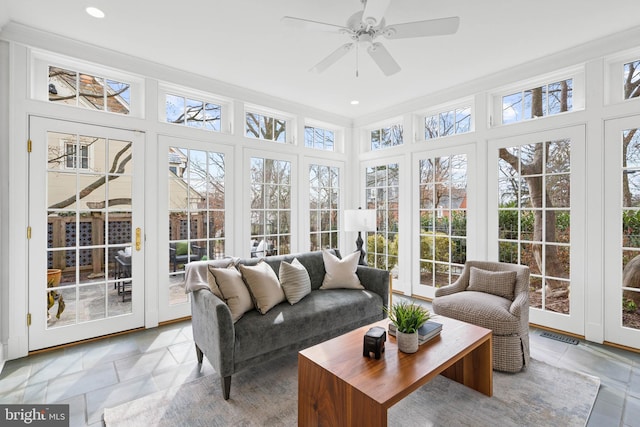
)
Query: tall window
[
  {"x": 447, "y": 123},
  {"x": 270, "y": 207},
  {"x": 324, "y": 196},
  {"x": 264, "y": 127},
  {"x": 545, "y": 100},
  {"x": 193, "y": 112},
  {"x": 443, "y": 219},
  {"x": 196, "y": 211},
  {"x": 632, "y": 79},
  {"x": 382, "y": 190},
  {"x": 534, "y": 218},
  {"x": 386, "y": 137},
  {"x": 88, "y": 91},
  {"x": 630, "y": 175},
  {"x": 318, "y": 138}
]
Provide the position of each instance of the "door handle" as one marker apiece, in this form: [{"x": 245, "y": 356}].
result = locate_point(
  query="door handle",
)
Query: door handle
[{"x": 138, "y": 238}]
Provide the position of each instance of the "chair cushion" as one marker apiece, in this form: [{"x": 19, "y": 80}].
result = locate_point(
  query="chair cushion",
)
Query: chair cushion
[
  {"x": 479, "y": 308},
  {"x": 500, "y": 283},
  {"x": 182, "y": 248}
]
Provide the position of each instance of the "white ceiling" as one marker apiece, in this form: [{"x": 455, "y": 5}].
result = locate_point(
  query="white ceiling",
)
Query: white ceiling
[{"x": 243, "y": 42}]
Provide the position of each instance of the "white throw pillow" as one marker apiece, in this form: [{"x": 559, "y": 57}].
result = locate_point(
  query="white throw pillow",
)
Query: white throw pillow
[
  {"x": 233, "y": 290},
  {"x": 340, "y": 273},
  {"x": 295, "y": 281},
  {"x": 263, "y": 284}
]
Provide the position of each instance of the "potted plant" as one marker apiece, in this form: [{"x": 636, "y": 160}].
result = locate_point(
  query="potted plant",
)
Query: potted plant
[{"x": 407, "y": 318}]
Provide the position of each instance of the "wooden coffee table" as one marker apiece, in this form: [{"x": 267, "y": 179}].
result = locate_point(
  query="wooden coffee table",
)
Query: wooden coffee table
[{"x": 337, "y": 386}]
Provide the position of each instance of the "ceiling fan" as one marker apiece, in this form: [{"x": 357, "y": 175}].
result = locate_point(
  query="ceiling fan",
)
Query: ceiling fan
[{"x": 365, "y": 26}]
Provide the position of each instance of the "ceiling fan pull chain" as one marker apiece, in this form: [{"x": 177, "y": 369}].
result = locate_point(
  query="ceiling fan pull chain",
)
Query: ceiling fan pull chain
[{"x": 357, "y": 58}]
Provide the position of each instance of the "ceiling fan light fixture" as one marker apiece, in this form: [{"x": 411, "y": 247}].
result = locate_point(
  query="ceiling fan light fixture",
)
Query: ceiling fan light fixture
[{"x": 355, "y": 102}]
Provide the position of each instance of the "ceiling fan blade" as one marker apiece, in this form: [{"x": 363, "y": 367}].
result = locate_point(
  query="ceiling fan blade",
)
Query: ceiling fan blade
[
  {"x": 374, "y": 11},
  {"x": 431, "y": 27},
  {"x": 308, "y": 24},
  {"x": 332, "y": 58},
  {"x": 383, "y": 58}
]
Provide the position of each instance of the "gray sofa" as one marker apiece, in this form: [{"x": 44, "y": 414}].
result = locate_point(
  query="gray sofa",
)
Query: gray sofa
[{"x": 256, "y": 338}]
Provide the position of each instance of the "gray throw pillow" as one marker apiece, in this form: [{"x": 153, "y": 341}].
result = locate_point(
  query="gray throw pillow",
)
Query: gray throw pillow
[
  {"x": 295, "y": 280},
  {"x": 500, "y": 283}
]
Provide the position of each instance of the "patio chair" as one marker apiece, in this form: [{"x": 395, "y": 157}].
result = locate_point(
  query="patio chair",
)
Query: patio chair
[{"x": 179, "y": 253}]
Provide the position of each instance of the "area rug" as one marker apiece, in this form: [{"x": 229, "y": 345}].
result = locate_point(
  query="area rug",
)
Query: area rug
[{"x": 266, "y": 395}]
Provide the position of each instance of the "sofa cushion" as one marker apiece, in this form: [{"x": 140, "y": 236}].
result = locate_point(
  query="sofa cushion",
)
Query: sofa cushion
[
  {"x": 341, "y": 273},
  {"x": 317, "y": 313},
  {"x": 295, "y": 280},
  {"x": 263, "y": 285},
  {"x": 233, "y": 290},
  {"x": 500, "y": 283}
]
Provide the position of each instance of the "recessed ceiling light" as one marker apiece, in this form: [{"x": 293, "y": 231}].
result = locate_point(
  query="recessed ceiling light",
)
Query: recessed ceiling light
[
  {"x": 355, "y": 102},
  {"x": 95, "y": 12}
]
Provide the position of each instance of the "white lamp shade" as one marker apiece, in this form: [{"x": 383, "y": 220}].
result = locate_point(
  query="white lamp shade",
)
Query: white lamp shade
[{"x": 359, "y": 220}]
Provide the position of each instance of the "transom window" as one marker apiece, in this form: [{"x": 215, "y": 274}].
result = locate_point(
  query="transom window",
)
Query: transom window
[
  {"x": 382, "y": 192},
  {"x": 265, "y": 127},
  {"x": 632, "y": 79},
  {"x": 88, "y": 91},
  {"x": 195, "y": 113},
  {"x": 447, "y": 123},
  {"x": 324, "y": 195},
  {"x": 318, "y": 138},
  {"x": 545, "y": 100},
  {"x": 386, "y": 137}
]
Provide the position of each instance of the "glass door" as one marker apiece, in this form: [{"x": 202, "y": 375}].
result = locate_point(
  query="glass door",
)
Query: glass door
[
  {"x": 536, "y": 218},
  {"x": 86, "y": 251},
  {"x": 193, "y": 224},
  {"x": 622, "y": 231},
  {"x": 442, "y": 240}
]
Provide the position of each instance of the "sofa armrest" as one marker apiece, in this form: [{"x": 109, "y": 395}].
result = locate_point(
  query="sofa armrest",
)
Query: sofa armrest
[
  {"x": 213, "y": 330},
  {"x": 375, "y": 280}
]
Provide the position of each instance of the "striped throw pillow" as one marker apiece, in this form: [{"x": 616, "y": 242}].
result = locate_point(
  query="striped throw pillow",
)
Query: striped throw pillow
[{"x": 295, "y": 280}]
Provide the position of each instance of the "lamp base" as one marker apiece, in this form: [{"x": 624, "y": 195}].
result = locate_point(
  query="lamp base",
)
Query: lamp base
[{"x": 359, "y": 248}]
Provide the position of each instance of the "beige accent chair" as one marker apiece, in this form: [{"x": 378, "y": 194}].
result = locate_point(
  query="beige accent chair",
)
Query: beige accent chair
[{"x": 495, "y": 296}]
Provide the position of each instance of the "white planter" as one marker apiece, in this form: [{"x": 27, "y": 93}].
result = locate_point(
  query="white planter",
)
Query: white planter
[{"x": 407, "y": 343}]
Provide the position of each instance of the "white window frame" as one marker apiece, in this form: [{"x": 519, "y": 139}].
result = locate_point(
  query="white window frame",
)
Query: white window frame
[
  {"x": 614, "y": 76},
  {"x": 39, "y": 82},
  {"x": 366, "y": 134},
  {"x": 290, "y": 123},
  {"x": 421, "y": 116},
  {"x": 226, "y": 105},
  {"x": 338, "y": 136},
  {"x": 576, "y": 74}
]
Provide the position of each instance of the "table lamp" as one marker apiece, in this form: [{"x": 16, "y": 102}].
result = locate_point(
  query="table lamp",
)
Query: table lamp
[{"x": 360, "y": 220}]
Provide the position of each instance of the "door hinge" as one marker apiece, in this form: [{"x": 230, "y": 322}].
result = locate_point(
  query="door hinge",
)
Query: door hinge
[
  {"x": 28, "y": 319},
  {"x": 29, "y": 146},
  {"x": 28, "y": 232}
]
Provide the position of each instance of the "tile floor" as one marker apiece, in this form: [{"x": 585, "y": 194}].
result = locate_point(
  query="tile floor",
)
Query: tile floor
[{"x": 92, "y": 376}]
